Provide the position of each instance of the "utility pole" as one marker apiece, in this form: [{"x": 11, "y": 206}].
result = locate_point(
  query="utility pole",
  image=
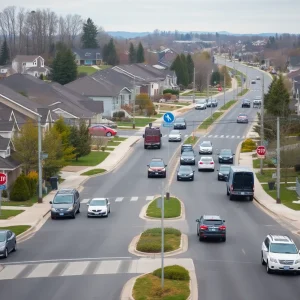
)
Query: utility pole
[
  {"x": 278, "y": 162},
  {"x": 262, "y": 130},
  {"x": 133, "y": 119},
  {"x": 194, "y": 84},
  {"x": 40, "y": 197},
  {"x": 162, "y": 236},
  {"x": 225, "y": 71}
]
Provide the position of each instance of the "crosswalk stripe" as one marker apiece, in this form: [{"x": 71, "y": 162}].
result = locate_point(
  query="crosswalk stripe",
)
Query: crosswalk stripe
[
  {"x": 108, "y": 267},
  {"x": 232, "y": 137},
  {"x": 215, "y": 136},
  {"x": 85, "y": 200},
  {"x": 76, "y": 268},
  {"x": 119, "y": 199},
  {"x": 149, "y": 198},
  {"x": 42, "y": 270},
  {"x": 11, "y": 272},
  {"x": 238, "y": 136},
  {"x": 134, "y": 198},
  {"x": 222, "y": 136},
  {"x": 210, "y": 135},
  {"x": 227, "y": 136}
]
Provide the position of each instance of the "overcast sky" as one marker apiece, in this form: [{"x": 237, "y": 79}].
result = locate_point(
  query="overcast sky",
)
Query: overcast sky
[{"x": 236, "y": 16}]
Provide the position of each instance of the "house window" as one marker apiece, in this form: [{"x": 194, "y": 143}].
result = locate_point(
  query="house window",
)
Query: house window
[
  {"x": 34, "y": 63},
  {"x": 87, "y": 54},
  {"x": 24, "y": 64}
]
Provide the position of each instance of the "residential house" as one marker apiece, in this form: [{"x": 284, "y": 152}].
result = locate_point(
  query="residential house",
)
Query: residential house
[
  {"x": 294, "y": 63},
  {"x": 87, "y": 57},
  {"x": 5, "y": 71},
  {"x": 62, "y": 102},
  {"x": 30, "y": 64},
  {"x": 166, "y": 57},
  {"x": 109, "y": 86}
]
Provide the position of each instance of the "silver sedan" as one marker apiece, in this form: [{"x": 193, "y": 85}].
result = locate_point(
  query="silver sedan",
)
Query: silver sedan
[
  {"x": 175, "y": 136},
  {"x": 8, "y": 242}
]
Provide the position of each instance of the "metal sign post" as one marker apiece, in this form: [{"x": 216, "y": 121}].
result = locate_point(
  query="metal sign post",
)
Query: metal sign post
[
  {"x": 3, "y": 181},
  {"x": 162, "y": 236}
]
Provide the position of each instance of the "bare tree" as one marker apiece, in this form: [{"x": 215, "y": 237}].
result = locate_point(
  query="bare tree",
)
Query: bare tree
[
  {"x": 203, "y": 66},
  {"x": 100, "y": 142}
]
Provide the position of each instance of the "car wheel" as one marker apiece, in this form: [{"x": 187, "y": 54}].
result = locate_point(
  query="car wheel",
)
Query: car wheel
[
  {"x": 219, "y": 161},
  {"x": 269, "y": 271},
  {"x": 52, "y": 217},
  {"x": 145, "y": 147},
  {"x": 200, "y": 238},
  {"x": 227, "y": 192},
  {"x": 108, "y": 134},
  {"x": 6, "y": 253},
  {"x": 219, "y": 178},
  {"x": 193, "y": 178},
  {"x": 109, "y": 211},
  {"x": 15, "y": 247},
  {"x": 224, "y": 239},
  {"x": 262, "y": 260},
  {"x": 74, "y": 215},
  {"x": 178, "y": 179},
  {"x": 251, "y": 198},
  {"x": 148, "y": 176},
  {"x": 165, "y": 175},
  {"x": 78, "y": 211},
  {"x": 199, "y": 170},
  {"x": 230, "y": 197}
]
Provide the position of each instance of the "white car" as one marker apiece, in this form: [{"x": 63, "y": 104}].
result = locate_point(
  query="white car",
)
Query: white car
[
  {"x": 279, "y": 253},
  {"x": 98, "y": 207},
  {"x": 175, "y": 136},
  {"x": 206, "y": 147},
  {"x": 201, "y": 104},
  {"x": 206, "y": 163},
  {"x": 257, "y": 78}
]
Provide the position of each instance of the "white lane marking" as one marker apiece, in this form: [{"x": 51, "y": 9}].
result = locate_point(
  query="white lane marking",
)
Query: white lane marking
[
  {"x": 42, "y": 270},
  {"x": 11, "y": 272},
  {"x": 149, "y": 198},
  {"x": 222, "y": 136},
  {"x": 119, "y": 199},
  {"x": 134, "y": 198},
  {"x": 227, "y": 136},
  {"x": 165, "y": 135},
  {"x": 85, "y": 201},
  {"x": 232, "y": 137},
  {"x": 215, "y": 136},
  {"x": 243, "y": 251},
  {"x": 210, "y": 135},
  {"x": 75, "y": 268},
  {"x": 238, "y": 137},
  {"x": 108, "y": 267}
]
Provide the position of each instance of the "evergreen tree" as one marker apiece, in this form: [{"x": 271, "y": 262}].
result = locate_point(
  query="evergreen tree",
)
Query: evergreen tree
[
  {"x": 4, "y": 54},
  {"x": 185, "y": 73},
  {"x": 89, "y": 36},
  {"x": 190, "y": 66},
  {"x": 20, "y": 190},
  {"x": 132, "y": 54},
  {"x": 109, "y": 54},
  {"x": 140, "y": 56},
  {"x": 215, "y": 78},
  {"x": 179, "y": 65},
  {"x": 64, "y": 68}
]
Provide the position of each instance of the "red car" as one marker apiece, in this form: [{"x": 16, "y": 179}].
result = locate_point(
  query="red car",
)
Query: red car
[{"x": 101, "y": 130}]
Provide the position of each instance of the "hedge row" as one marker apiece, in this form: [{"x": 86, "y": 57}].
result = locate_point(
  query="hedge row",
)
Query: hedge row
[{"x": 174, "y": 272}]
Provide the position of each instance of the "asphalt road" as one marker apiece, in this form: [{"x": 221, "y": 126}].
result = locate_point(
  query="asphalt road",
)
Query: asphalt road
[{"x": 224, "y": 271}]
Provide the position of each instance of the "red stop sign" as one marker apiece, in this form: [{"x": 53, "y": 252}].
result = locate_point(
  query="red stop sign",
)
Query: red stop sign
[
  {"x": 220, "y": 89},
  {"x": 261, "y": 150},
  {"x": 3, "y": 179}
]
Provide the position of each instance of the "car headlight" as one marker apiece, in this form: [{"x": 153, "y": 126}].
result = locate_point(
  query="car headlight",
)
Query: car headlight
[
  {"x": 297, "y": 261},
  {"x": 2, "y": 247},
  {"x": 70, "y": 208},
  {"x": 221, "y": 157},
  {"x": 230, "y": 156},
  {"x": 274, "y": 260},
  {"x": 193, "y": 158},
  {"x": 191, "y": 174},
  {"x": 163, "y": 169},
  {"x": 53, "y": 209},
  {"x": 221, "y": 174}
]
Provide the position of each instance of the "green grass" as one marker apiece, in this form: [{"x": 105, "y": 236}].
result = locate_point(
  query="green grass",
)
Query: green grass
[
  {"x": 267, "y": 163},
  {"x": 191, "y": 140},
  {"x": 110, "y": 148},
  {"x": 148, "y": 287},
  {"x": 139, "y": 122},
  {"x": 93, "y": 159},
  {"x": 103, "y": 67},
  {"x": 290, "y": 174},
  {"x": 209, "y": 121},
  {"x": 7, "y": 213},
  {"x": 86, "y": 69},
  {"x": 117, "y": 139},
  {"x": 228, "y": 105},
  {"x": 26, "y": 203},
  {"x": 286, "y": 196},
  {"x": 16, "y": 229},
  {"x": 172, "y": 208},
  {"x": 243, "y": 92},
  {"x": 93, "y": 172},
  {"x": 113, "y": 143}
]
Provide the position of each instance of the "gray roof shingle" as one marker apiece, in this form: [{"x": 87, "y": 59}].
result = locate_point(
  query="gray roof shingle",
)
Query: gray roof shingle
[
  {"x": 25, "y": 58},
  {"x": 4, "y": 142},
  {"x": 9, "y": 163},
  {"x": 92, "y": 54}
]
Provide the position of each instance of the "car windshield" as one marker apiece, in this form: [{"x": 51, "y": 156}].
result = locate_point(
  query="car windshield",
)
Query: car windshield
[
  {"x": 156, "y": 164},
  {"x": 213, "y": 222},
  {"x": 185, "y": 169},
  {"x": 179, "y": 120},
  {"x": 206, "y": 144},
  {"x": 225, "y": 152},
  {"x": 63, "y": 199},
  {"x": 187, "y": 153},
  {"x": 283, "y": 248},
  {"x": 224, "y": 169},
  {"x": 174, "y": 132},
  {"x": 201, "y": 101},
  {"x": 98, "y": 203},
  {"x": 2, "y": 236},
  {"x": 242, "y": 115}
]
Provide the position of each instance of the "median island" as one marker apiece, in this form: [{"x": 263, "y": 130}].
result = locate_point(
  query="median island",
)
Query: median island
[
  {"x": 176, "y": 285},
  {"x": 172, "y": 208},
  {"x": 150, "y": 240}
]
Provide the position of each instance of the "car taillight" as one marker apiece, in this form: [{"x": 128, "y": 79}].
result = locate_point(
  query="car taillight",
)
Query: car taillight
[
  {"x": 211, "y": 162},
  {"x": 231, "y": 187},
  {"x": 222, "y": 227},
  {"x": 201, "y": 163},
  {"x": 203, "y": 227}
]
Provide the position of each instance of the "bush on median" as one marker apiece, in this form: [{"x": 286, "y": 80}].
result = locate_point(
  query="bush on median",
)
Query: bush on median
[{"x": 174, "y": 272}]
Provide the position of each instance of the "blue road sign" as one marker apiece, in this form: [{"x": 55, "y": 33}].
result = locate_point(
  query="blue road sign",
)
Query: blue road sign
[
  {"x": 168, "y": 117},
  {"x": 3, "y": 187},
  {"x": 167, "y": 125}
]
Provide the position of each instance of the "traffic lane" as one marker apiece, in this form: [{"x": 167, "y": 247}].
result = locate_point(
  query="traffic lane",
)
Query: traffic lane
[
  {"x": 57, "y": 288},
  {"x": 129, "y": 132},
  {"x": 85, "y": 237}
]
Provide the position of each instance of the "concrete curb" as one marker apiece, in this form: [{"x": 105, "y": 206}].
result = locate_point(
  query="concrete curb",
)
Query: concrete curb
[
  {"x": 127, "y": 291},
  {"x": 143, "y": 215},
  {"x": 182, "y": 248},
  {"x": 238, "y": 152}
]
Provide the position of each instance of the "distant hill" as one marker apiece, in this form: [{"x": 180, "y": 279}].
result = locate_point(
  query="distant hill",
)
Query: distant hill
[{"x": 132, "y": 35}]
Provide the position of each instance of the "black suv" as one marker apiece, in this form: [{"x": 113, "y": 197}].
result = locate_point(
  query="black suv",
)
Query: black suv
[
  {"x": 180, "y": 123},
  {"x": 246, "y": 103},
  {"x": 211, "y": 227},
  {"x": 186, "y": 147},
  {"x": 187, "y": 158},
  {"x": 226, "y": 156},
  {"x": 66, "y": 203}
]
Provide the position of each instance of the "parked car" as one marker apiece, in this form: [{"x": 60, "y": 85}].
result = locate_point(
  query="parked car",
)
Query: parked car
[
  {"x": 206, "y": 147},
  {"x": 253, "y": 81},
  {"x": 187, "y": 158},
  {"x": 186, "y": 147},
  {"x": 157, "y": 168},
  {"x": 8, "y": 242},
  {"x": 242, "y": 118},
  {"x": 66, "y": 203},
  {"x": 257, "y": 77},
  {"x": 226, "y": 156},
  {"x": 209, "y": 103},
  {"x": 211, "y": 227},
  {"x": 185, "y": 173},
  {"x": 223, "y": 172},
  {"x": 246, "y": 103},
  {"x": 206, "y": 163},
  {"x": 175, "y": 136},
  {"x": 180, "y": 123},
  {"x": 101, "y": 130},
  {"x": 279, "y": 253},
  {"x": 98, "y": 207},
  {"x": 201, "y": 104}
]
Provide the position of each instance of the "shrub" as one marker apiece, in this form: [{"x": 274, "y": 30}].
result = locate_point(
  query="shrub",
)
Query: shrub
[
  {"x": 20, "y": 190},
  {"x": 246, "y": 149},
  {"x": 249, "y": 143},
  {"x": 170, "y": 91},
  {"x": 174, "y": 272},
  {"x": 32, "y": 181},
  {"x": 150, "y": 246},
  {"x": 167, "y": 96},
  {"x": 119, "y": 114},
  {"x": 4, "y": 194}
]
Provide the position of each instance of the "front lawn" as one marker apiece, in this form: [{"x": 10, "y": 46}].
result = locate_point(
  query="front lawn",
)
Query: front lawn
[
  {"x": 92, "y": 159},
  {"x": 139, "y": 122},
  {"x": 228, "y": 105},
  {"x": 172, "y": 208},
  {"x": 86, "y": 69},
  {"x": 7, "y": 213},
  {"x": 26, "y": 203},
  {"x": 93, "y": 172},
  {"x": 166, "y": 107},
  {"x": 209, "y": 121},
  {"x": 290, "y": 174},
  {"x": 191, "y": 140},
  {"x": 113, "y": 143},
  {"x": 150, "y": 240},
  {"x": 119, "y": 139},
  {"x": 16, "y": 229},
  {"x": 267, "y": 163}
]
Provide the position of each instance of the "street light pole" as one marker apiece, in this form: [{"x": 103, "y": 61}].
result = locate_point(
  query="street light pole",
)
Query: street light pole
[
  {"x": 40, "y": 178},
  {"x": 194, "y": 84},
  {"x": 278, "y": 162},
  {"x": 225, "y": 71},
  {"x": 262, "y": 131},
  {"x": 133, "y": 120},
  {"x": 162, "y": 236}
]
